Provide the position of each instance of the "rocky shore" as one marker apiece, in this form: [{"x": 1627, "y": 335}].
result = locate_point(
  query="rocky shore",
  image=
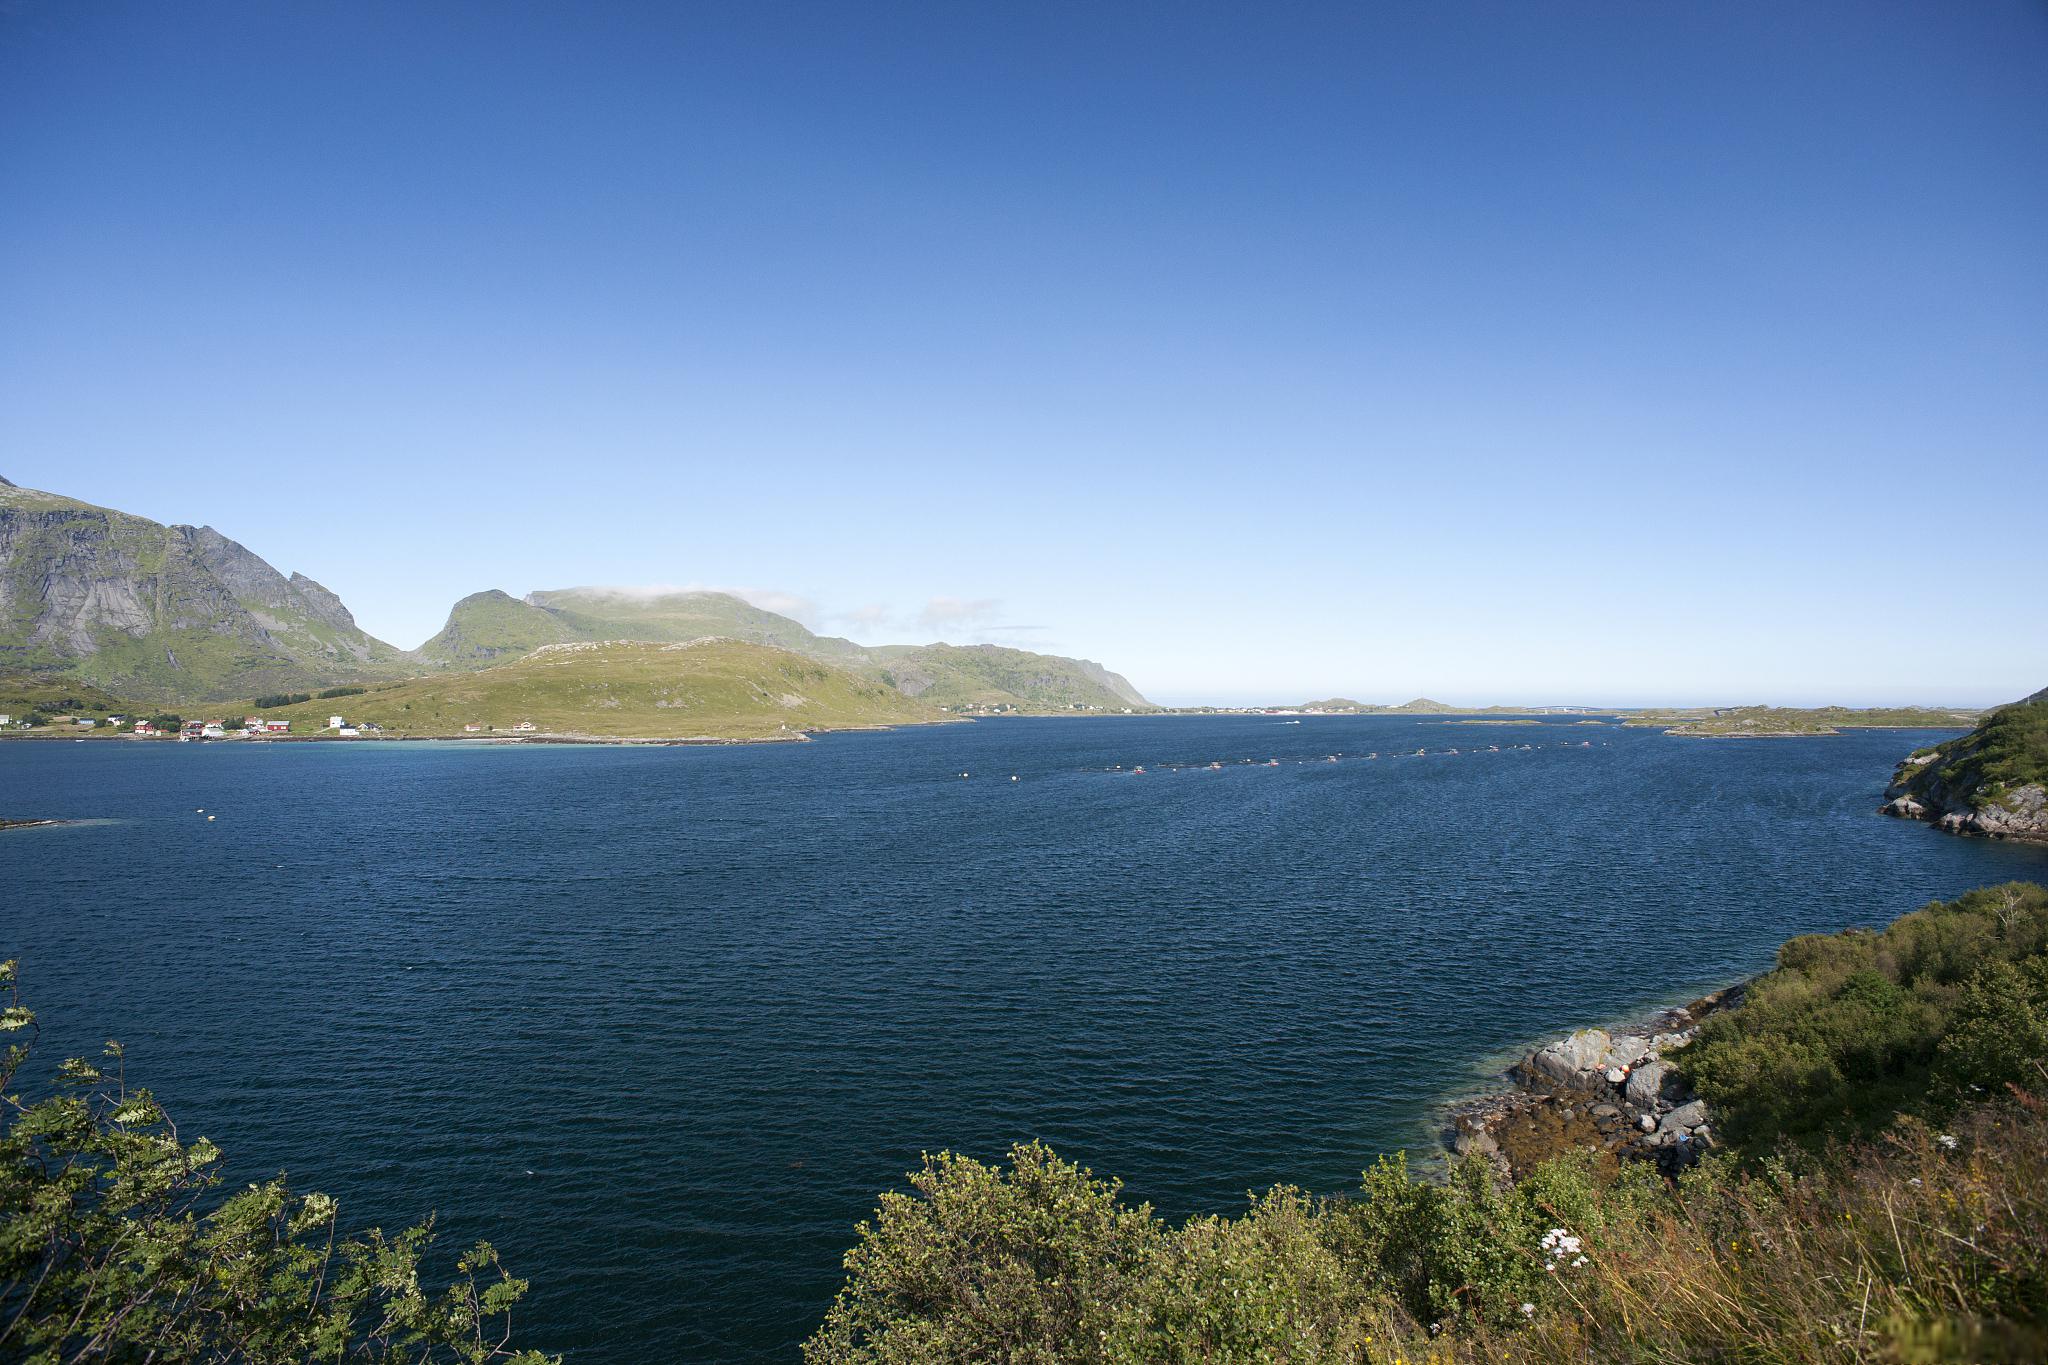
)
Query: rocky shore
[
  {"x": 1922, "y": 790},
  {"x": 1622, "y": 1094}
]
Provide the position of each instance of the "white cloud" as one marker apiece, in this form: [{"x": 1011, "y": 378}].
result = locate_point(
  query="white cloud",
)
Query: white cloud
[
  {"x": 782, "y": 603},
  {"x": 957, "y": 613}
]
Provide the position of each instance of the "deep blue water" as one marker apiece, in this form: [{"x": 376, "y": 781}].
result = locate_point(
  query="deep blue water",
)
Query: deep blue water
[{"x": 661, "y": 1022}]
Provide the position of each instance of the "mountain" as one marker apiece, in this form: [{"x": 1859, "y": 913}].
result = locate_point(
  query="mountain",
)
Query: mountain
[
  {"x": 488, "y": 627},
  {"x": 1992, "y": 781},
  {"x": 982, "y": 676},
  {"x": 164, "y": 612},
  {"x": 703, "y": 689},
  {"x": 180, "y": 613}
]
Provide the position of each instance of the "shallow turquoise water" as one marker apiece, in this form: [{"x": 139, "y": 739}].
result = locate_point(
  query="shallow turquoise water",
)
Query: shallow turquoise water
[{"x": 660, "y": 1022}]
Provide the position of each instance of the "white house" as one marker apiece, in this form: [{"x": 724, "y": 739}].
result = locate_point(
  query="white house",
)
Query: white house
[
  {"x": 335, "y": 722},
  {"x": 6, "y": 720},
  {"x": 525, "y": 725},
  {"x": 347, "y": 731}
]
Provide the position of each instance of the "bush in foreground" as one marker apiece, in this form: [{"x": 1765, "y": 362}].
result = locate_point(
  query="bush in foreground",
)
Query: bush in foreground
[
  {"x": 1887, "y": 1204},
  {"x": 1923, "y": 1246},
  {"x": 115, "y": 1245}
]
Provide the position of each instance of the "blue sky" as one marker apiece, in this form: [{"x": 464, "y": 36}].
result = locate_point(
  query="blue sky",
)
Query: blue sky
[{"x": 1605, "y": 352}]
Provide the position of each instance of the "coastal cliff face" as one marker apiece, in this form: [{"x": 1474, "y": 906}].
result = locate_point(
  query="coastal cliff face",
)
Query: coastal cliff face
[
  {"x": 164, "y": 612},
  {"x": 1992, "y": 782}
]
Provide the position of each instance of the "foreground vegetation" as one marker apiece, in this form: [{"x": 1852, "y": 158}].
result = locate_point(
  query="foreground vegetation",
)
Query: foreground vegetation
[
  {"x": 118, "y": 1243},
  {"x": 1882, "y": 1199}
]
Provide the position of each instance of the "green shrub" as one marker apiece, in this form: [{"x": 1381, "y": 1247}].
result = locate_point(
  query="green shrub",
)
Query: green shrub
[
  {"x": 1028, "y": 1265},
  {"x": 115, "y": 1246},
  {"x": 1847, "y": 1032}
]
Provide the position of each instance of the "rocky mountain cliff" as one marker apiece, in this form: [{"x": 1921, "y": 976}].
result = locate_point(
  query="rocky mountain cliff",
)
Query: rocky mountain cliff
[
  {"x": 489, "y": 627},
  {"x": 157, "y": 612},
  {"x": 1992, "y": 781}
]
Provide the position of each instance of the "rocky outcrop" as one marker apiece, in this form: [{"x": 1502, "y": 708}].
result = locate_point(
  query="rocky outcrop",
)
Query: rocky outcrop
[
  {"x": 1620, "y": 1093},
  {"x": 155, "y": 612},
  {"x": 1992, "y": 782}
]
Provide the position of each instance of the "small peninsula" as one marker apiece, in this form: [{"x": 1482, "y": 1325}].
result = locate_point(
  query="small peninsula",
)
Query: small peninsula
[{"x": 1991, "y": 782}]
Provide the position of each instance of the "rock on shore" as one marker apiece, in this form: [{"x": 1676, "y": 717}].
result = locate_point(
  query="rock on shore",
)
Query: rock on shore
[{"x": 1618, "y": 1093}]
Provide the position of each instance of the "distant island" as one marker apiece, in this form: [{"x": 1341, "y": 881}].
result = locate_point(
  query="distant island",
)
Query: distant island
[{"x": 1779, "y": 722}]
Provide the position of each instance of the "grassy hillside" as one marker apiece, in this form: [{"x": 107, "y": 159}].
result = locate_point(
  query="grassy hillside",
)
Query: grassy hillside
[
  {"x": 714, "y": 689},
  {"x": 988, "y": 676},
  {"x": 57, "y": 695},
  {"x": 2010, "y": 749}
]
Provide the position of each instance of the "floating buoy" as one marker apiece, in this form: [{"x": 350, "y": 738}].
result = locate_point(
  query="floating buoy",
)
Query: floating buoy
[
  {"x": 199, "y": 810},
  {"x": 213, "y": 817},
  {"x": 1013, "y": 777}
]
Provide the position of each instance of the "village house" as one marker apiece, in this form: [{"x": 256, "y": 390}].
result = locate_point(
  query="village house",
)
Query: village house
[
  {"x": 276, "y": 727},
  {"x": 143, "y": 727},
  {"x": 471, "y": 728},
  {"x": 525, "y": 725},
  {"x": 335, "y": 722}
]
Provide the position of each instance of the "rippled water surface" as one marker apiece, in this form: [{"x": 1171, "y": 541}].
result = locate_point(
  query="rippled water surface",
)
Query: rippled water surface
[{"x": 660, "y": 1022}]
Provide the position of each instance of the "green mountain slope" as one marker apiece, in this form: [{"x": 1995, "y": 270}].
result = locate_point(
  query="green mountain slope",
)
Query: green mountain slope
[
  {"x": 164, "y": 612},
  {"x": 706, "y": 689},
  {"x": 488, "y": 627},
  {"x": 618, "y": 614},
  {"x": 983, "y": 676}
]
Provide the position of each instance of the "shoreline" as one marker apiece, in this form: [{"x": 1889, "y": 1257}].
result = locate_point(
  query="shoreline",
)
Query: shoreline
[
  {"x": 1617, "y": 1091},
  {"x": 535, "y": 737}
]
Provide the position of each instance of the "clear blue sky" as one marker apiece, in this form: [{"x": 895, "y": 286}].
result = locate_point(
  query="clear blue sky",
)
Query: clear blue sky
[{"x": 1618, "y": 352}]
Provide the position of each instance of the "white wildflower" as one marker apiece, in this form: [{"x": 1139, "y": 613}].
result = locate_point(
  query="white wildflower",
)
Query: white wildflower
[
  {"x": 1528, "y": 1310},
  {"x": 1947, "y": 1141}
]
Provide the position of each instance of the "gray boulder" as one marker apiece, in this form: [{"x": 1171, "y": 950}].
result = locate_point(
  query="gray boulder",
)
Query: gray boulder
[
  {"x": 1645, "y": 1083},
  {"x": 1685, "y": 1116},
  {"x": 1626, "y": 1051},
  {"x": 1572, "y": 1060}
]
